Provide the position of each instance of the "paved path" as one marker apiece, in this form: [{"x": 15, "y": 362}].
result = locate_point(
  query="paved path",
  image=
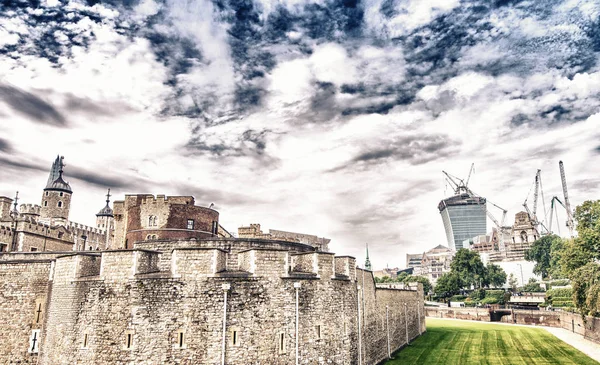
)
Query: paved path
[{"x": 588, "y": 347}]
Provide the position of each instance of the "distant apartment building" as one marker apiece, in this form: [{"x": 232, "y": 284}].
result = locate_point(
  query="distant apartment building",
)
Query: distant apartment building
[
  {"x": 413, "y": 261},
  {"x": 431, "y": 264}
]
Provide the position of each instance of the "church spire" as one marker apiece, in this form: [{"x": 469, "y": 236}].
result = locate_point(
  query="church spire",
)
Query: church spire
[{"x": 367, "y": 261}]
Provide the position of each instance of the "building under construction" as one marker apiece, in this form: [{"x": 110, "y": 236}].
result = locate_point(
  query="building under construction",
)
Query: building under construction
[{"x": 464, "y": 214}]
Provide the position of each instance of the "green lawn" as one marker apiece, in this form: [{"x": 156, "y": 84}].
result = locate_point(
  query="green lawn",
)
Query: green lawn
[{"x": 461, "y": 342}]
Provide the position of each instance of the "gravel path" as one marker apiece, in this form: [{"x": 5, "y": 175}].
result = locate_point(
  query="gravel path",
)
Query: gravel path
[{"x": 588, "y": 347}]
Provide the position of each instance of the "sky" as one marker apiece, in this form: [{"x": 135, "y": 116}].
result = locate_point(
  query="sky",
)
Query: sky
[{"x": 327, "y": 117}]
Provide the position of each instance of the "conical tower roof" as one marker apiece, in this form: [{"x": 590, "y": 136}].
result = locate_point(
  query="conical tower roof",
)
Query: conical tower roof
[
  {"x": 58, "y": 184},
  {"x": 107, "y": 210}
]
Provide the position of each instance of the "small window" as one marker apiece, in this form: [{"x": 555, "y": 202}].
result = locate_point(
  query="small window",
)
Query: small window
[
  {"x": 34, "y": 340},
  {"x": 234, "y": 336},
  {"x": 148, "y": 237},
  {"x": 45, "y": 201},
  {"x": 215, "y": 227},
  {"x": 33, "y": 249},
  {"x": 190, "y": 224},
  {"x": 281, "y": 343},
  {"x": 318, "y": 331},
  {"x": 60, "y": 234},
  {"x": 39, "y": 310},
  {"x": 180, "y": 339},
  {"x": 128, "y": 345},
  {"x": 60, "y": 204},
  {"x": 3, "y": 247},
  {"x": 61, "y": 193},
  {"x": 46, "y": 193},
  {"x": 84, "y": 344}
]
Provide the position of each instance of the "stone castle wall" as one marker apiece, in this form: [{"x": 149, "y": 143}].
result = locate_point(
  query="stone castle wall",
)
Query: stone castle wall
[{"x": 98, "y": 302}]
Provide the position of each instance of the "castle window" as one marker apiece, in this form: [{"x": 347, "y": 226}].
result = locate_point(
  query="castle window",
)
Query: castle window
[
  {"x": 59, "y": 204},
  {"x": 61, "y": 193},
  {"x": 234, "y": 337},
  {"x": 128, "y": 340},
  {"x": 33, "y": 249},
  {"x": 34, "y": 340},
  {"x": 46, "y": 202},
  {"x": 37, "y": 315},
  {"x": 60, "y": 234},
  {"x": 152, "y": 221},
  {"x": 46, "y": 193},
  {"x": 318, "y": 331},
  {"x": 215, "y": 227},
  {"x": 190, "y": 224},
  {"x": 84, "y": 345},
  {"x": 281, "y": 343},
  {"x": 3, "y": 247},
  {"x": 180, "y": 339}
]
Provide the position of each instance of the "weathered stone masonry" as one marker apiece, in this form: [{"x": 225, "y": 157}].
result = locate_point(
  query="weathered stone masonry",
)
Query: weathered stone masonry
[{"x": 163, "y": 304}]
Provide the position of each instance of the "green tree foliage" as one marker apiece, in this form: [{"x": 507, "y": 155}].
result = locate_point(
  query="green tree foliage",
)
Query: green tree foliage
[
  {"x": 494, "y": 275},
  {"x": 532, "y": 286},
  {"x": 586, "y": 289},
  {"x": 405, "y": 278},
  {"x": 469, "y": 268},
  {"x": 542, "y": 253},
  {"x": 448, "y": 285},
  {"x": 587, "y": 216}
]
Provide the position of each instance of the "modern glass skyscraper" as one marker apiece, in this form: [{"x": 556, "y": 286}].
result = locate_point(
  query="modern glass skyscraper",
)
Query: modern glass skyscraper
[{"x": 464, "y": 217}]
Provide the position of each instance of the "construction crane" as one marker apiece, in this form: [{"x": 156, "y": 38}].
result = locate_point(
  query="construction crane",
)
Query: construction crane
[
  {"x": 537, "y": 186},
  {"x": 553, "y": 209},
  {"x": 567, "y": 204}
]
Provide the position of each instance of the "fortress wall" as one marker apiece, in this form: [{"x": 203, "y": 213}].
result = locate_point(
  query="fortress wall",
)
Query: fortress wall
[
  {"x": 97, "y": 300},
  {"x": 23, "y": 290},
  {"x": 383, "y": 312}
]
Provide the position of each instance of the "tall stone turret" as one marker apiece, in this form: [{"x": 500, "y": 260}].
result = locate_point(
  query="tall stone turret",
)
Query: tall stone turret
[
  {"x": 56, "y": 199},
  {"x": 105, "y": 221}
]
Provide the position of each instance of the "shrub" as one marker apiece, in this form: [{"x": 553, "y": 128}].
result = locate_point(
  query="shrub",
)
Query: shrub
[
  {"x": 489, "y": 300},
  {"x": 560, "y": 293},
  {"x": 457, "y": 298}
]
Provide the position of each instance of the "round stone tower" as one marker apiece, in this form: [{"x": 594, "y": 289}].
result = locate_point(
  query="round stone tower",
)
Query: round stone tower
[{"x": 56, "y": 199}]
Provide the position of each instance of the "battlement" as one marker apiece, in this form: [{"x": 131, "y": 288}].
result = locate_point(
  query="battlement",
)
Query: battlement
[
  {"x": 83, "y": 227},
  {"x": 30, "y": 209},
  {"x": 162, "y": 199},
  {"x": 196, "y": 263}
]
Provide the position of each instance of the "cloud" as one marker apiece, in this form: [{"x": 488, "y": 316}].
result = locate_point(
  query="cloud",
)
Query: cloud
[
  {"x": 31, "y": 105},
  {"x": 5, "y": 146}
]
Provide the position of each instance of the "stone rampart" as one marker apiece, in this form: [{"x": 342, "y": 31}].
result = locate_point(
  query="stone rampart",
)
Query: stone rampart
[{"x": 136, "y": 306}]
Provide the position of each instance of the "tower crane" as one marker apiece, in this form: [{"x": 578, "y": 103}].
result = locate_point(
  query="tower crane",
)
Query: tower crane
[
  {"x": 537, "y": 185},
  {"x": 567, "y": 205},
  {"x": 552, "y": 210}
]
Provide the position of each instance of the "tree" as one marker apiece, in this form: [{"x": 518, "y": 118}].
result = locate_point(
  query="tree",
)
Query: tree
[
  {"x": 586, "y": 288},
  {"x": 512, "y": 281},
  {"x": 587, "y": 216},
  {"x": 467, "y": 264},
  {"x": 448, "y": 285},
  {"x": 532, "y": 286},
  {"x": 542, "y": 251},
  {"x": 419, "y": 279},
  {"x": 494, "y": 276}
]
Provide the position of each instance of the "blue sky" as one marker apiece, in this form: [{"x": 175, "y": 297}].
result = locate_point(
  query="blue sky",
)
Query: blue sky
[{"x": 327, "y": 117}]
